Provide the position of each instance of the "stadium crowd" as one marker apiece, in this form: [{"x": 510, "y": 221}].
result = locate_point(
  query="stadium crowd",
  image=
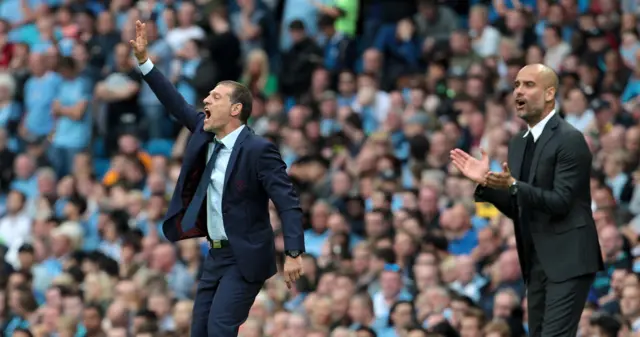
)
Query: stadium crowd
[{"x": 365, "y": 99}]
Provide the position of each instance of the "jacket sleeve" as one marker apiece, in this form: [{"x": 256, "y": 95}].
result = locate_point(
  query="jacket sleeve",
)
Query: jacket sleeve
[
  {"x": 272, "y": 172},
  {"x": 501, "y": 199},
  {"x": 169, "y": 96}
]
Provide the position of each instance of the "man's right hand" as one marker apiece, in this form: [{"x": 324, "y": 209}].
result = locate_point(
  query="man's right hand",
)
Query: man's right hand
[
  {"x": 470, "y": 167},
  {"x": 139, "y": 45}
]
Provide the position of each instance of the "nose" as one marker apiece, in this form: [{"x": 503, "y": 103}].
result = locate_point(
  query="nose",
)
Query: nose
[{"x": 517, "y": 92}]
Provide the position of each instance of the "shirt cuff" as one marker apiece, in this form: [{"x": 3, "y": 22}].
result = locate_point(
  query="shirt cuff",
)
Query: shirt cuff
[{"x": 146, "y": 67}]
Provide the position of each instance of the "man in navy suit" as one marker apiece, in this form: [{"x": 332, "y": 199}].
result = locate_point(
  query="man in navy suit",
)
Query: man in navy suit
[{"x": 228, "y": 176}]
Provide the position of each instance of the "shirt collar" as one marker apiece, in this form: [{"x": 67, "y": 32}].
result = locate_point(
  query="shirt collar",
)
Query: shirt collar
[
  {"x": 537, "y": 129},
  {"x": 230, "y": 140}
]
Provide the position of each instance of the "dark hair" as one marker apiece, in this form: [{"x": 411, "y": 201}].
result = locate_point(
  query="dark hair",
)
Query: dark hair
[
  {"x": 296, "y": 25},
  {"x": 368, "y": 330},
  {"x": 132, "y": 239},
  {"x": 326, "y": 21},
  {"x": 556, "y": 29},
  {"x": 28, "y": 276},
  {"x": 610, "y": 324},
  {"x": 240, "y": 95},
  {"x": 395, "y": 305},
  {"x": 67, "y": 63},
  {"x": 26, "y": 248},
  {"x": 27, "y": 300},
  {"x": 79, "y": 202},
  {"x": 147, "y": 314},
  {"x": 96, "y": 307},
  {"x": 24, "y": 331},
  {"x": 385, "y": 254}
]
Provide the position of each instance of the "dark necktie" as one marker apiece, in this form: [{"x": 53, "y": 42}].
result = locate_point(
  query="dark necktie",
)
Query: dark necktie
[
  {"x": 527, "y": 161},
  {"x": 190, "y": 216},
  {"x": 525, "y": 217}
]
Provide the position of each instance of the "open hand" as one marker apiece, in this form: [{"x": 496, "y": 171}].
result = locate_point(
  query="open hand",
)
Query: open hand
[
  {"x": 499, "y": 180},
  {"x": 470, "y": 167},
  {"x": 139, "y": 45},
  {"x": 292, "y": 270}
]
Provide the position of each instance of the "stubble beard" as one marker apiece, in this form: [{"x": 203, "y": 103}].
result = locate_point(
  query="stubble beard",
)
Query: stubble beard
[{"x": 532, "y": 116}]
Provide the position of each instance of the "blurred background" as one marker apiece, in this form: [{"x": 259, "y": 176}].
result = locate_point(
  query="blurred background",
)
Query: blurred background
[{"x": 365, "y": 98}]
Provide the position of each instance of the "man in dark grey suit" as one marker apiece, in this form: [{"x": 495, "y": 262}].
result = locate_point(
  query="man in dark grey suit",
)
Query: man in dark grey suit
[{"x": 544, "y": 189}]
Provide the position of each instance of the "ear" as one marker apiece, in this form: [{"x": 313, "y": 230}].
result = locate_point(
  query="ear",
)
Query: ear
[
  {"x": 550, "y": 94},
  {"x": 236, "y": 109}
]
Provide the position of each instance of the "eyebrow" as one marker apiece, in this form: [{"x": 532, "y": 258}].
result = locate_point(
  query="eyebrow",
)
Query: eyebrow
[{"x": 524, "y": 81}]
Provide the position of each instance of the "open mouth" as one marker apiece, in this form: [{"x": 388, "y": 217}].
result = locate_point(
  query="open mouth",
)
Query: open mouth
[
  {"x": 207, "y": 113},
  {"x": 520, "y": 103}
]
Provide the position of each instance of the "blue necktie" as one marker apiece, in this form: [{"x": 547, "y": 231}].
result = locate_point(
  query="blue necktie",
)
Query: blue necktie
[{"x": 190, "y": 216}]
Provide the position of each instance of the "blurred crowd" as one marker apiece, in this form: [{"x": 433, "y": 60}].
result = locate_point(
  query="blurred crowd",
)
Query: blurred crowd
[{"x": 365, "y": 99}]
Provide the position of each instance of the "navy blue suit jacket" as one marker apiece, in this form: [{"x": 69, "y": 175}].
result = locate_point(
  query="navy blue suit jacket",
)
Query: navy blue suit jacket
[{"x": 255, "y": 174}]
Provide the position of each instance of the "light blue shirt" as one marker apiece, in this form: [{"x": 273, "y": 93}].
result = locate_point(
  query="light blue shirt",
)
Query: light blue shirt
[
  {"x": 581, "y": 122},
  {"x": 215, "y": 222},
  {"x": 8, "y": 113},
  {"x": 180, "y": 281},
  {"x": 299, "y": 10},
  {"x": 72, "y": 133},
  {"x": 188, "y": 92},
  {"x": 39, "y": 94}
]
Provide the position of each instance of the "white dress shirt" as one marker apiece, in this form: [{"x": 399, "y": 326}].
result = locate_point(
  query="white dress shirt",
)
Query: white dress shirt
[
  {"x": 146, "y": 67},
  {"x": 537, "y": 129},
  {"x": 215, "y": 223}
]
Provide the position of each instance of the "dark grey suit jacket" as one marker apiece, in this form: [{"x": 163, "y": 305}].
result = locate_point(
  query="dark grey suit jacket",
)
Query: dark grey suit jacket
[{"x": 557, "y": 193}]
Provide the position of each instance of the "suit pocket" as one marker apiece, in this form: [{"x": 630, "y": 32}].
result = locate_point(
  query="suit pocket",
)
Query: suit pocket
[
  {"x": 261, "y": 235},
  {"x": 563, "y": 227}
]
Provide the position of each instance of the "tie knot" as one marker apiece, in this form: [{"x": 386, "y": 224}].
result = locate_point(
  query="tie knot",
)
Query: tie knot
[{"x": 217, "y": 145}]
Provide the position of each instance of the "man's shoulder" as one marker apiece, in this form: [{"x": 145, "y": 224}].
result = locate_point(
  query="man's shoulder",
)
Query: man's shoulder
[
  {"x": 258, "y": 142},
  {"x": 568, "y": 132}
]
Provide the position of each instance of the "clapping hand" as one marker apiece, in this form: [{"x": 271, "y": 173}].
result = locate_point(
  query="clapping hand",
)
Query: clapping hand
[
  {"x": 470, "y": 167},
  {"x": 499, "y": 180}
]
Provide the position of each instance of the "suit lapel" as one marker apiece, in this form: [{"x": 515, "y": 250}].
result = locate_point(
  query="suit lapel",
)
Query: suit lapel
[
  {"x": 199, "y": 142},
  {"x": 546, "y": 135},
  {"x": 234, "y": 154}
]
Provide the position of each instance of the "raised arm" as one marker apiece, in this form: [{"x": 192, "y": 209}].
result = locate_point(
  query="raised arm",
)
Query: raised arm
[
  {"x": 169, "y": 95},
  {"x": 161, "y": 87}
]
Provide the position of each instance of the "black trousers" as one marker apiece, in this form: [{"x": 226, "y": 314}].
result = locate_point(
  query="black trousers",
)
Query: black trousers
[{"x": 555, "y": 307}]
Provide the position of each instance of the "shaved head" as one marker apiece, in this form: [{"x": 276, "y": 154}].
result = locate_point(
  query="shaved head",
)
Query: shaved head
[{"x": 548, "y": 76}]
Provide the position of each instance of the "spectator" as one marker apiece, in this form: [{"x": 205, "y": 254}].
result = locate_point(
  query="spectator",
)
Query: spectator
[
  {"x": 299, "y": 61},
  {"x": 74, "y": 123},
  {"x": 186, "y": 29},
  {"x": 120, "y": 92}
]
